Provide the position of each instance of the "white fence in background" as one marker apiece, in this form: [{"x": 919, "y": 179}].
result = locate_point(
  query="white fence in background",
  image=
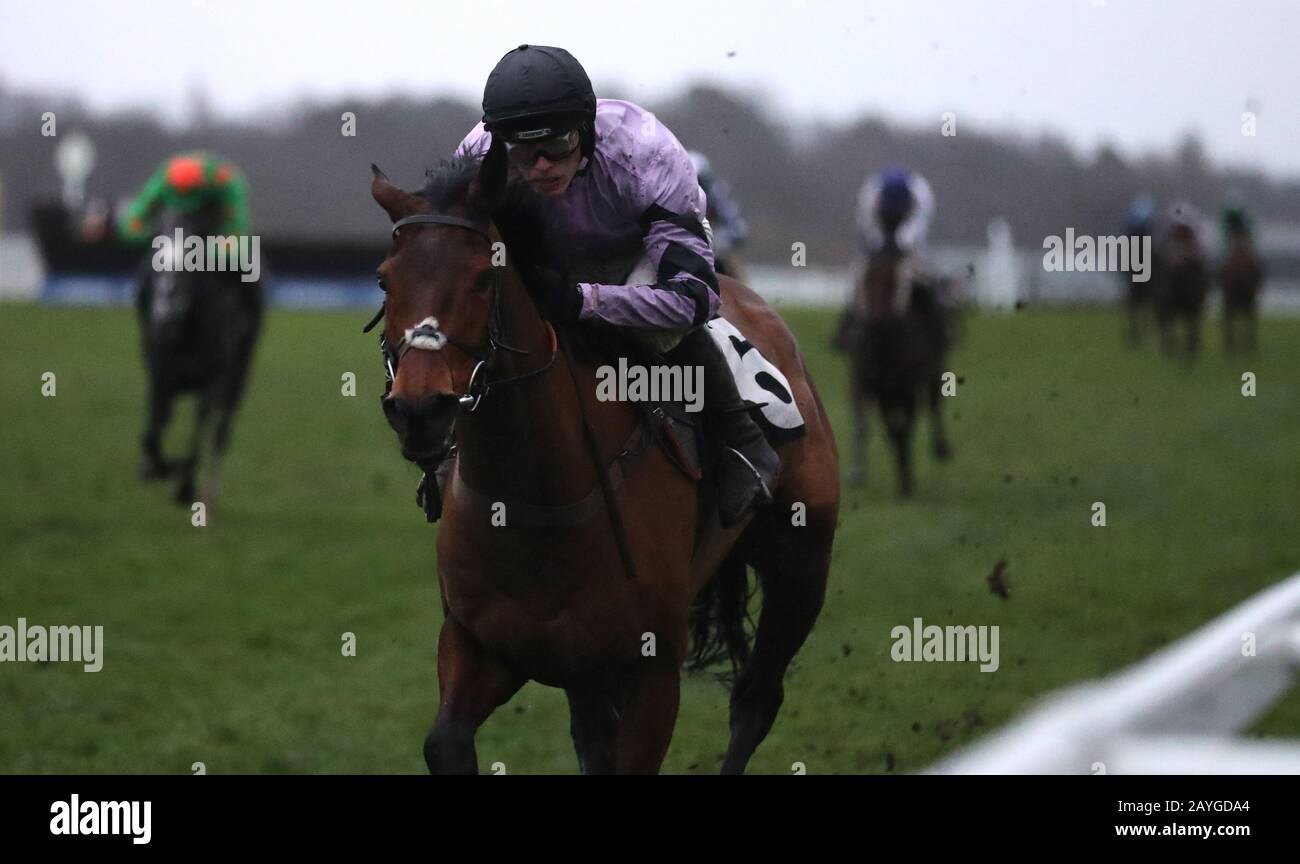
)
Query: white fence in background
[
  {"x": 21, "y": 270},
  {"x": 22, "y": 275},
  {"x": 1170, "y": 714}
]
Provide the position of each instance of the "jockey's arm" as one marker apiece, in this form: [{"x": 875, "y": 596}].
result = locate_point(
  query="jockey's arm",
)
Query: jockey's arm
[
  {"x": 135, "y": 224},
  {"x": 729, "y": 213},
  {"x": 912, "y": 232},
  {"x": 684, "y": 294},
  {"x": 231, "y": 194},
  {"x": 685, "y": 291}
]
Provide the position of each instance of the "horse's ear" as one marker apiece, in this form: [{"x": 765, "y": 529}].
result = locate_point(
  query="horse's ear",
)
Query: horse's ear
[
  {"x": 396, "y": 201},
  {"x": 490, "y": 185}
]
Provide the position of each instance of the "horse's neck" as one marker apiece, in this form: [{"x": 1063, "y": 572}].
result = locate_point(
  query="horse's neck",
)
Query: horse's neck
[
  {"x": 1240, "y": 249},
  {"x": 525, "y": 441},
  {"x": 883, "y": 286}
]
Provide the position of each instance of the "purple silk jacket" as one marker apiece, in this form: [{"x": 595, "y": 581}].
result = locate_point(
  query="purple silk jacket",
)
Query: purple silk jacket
[{"x": 636, "y": 198}]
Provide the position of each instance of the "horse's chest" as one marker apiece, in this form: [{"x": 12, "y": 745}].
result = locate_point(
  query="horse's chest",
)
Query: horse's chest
[{"x": 548, "y": 617}]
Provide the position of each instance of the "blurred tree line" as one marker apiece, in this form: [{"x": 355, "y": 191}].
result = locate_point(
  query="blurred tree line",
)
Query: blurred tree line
[{"x": 308, "y": 178}]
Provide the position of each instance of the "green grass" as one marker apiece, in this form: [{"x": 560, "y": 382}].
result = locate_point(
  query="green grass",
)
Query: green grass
[{"x": 223, "y": 643}]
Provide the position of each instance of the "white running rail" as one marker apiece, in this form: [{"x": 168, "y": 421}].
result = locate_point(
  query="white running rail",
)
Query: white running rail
[{"x": 1172, "y": 713}]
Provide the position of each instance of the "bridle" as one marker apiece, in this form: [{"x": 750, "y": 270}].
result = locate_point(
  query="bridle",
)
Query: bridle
[{"x": 432, "y": 338}]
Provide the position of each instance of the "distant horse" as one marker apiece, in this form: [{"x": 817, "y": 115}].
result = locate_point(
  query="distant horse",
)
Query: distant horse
[
  {"x": 1241, "y": 276},
  {"x": 1180, "y": 294},
  {"x": 535, "y": 581},
  {"x": 895, "y": 333},
  {"x": 197, "y": 334}
]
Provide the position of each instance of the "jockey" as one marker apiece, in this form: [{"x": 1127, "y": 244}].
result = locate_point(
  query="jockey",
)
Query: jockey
[
  {"x": 730, "y": 230},
  {"x": 187, "y": 184},
  {"x": 895, "y": 207},
  {"x": 625, "y": 212},
  {"x": 1182, "y": 230},
  {"x": 1236, "y": 224},
  {"x": 199, "y": 185},
  {"x": 1141, "y": 217}
]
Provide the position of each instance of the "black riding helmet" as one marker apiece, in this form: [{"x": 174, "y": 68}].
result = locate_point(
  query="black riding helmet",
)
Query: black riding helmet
[{"x": 535, "y": 88}]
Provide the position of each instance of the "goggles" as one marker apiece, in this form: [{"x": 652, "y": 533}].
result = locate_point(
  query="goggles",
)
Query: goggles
[{"x": 555, "y": 148}]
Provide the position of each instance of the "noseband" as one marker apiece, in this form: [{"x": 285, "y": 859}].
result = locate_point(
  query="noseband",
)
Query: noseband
[{"x": 428, "y": 337}]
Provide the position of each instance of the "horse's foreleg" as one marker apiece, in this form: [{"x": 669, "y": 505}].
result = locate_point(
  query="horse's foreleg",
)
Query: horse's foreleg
[
  {"x": 471, "y": 685},
  {"x": 152, "y": 464},
  {"x": 899, "y": 420},
  {"x": 1193, "y": 334},
  {"x": 647, "y": 714},
  {"x": 190, "y": 465},
  {"x": 861, "y": 435},
  {"x": 593, "y": 723},
  {"x": 220, "y": 441},
  {"x": 938, "y": 434}
]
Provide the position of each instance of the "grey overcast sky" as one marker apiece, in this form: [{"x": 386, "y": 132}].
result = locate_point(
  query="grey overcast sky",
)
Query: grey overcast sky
[{"x": 1139, "y": 73}]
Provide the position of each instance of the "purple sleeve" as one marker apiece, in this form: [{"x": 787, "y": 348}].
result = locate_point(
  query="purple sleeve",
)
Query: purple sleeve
[
  {"x": 682, "y": 291},
  {"x": 476, "y": 143}
]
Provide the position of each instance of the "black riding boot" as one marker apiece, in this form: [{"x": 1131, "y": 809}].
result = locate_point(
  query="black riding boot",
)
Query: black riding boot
[{"x": 749, "y": 464}]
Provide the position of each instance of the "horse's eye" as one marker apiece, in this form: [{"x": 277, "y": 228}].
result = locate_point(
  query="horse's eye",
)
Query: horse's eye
[{"x": 379, "y": 280}]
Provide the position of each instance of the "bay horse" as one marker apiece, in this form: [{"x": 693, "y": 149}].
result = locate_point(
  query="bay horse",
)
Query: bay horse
[
  {"x": 1241, "y": 276},
  {"x": 895, "y": 336},
  {"x": 1180, "y": 292},
  {"x": 198, "y": 331},
  {"x": 534, "y": 584}
]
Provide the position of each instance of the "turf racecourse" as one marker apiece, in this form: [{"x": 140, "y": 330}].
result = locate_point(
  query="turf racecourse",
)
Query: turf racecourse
[{"x": 222, "y": 644}]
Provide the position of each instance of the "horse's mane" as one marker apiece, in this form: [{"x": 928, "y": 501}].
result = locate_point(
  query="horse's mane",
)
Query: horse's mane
[
  {"x": 518, "y": 215},
  {"x": 520, "y": 219},
  {"x": 447, "y": 184}
]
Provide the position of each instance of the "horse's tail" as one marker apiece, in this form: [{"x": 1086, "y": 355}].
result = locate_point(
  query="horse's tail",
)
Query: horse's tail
[{"x": 720, "y": 624}]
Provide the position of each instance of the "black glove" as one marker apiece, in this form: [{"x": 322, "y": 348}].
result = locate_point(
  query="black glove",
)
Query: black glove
[{"x": 558, "y": 297}]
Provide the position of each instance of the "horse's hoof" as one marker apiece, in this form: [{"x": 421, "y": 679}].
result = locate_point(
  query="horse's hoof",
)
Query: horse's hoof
[
  {"x": 942, "y": 451},
  {"x": 185, "y": 493}
]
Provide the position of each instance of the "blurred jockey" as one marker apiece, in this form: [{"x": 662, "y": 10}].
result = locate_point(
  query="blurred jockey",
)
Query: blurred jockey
[
  {"x": 894, "y": 205},
  {"x": 730, "y": 230},
  {"x": 1140, "y": 219},
  {"x": 1237, "y": 224},
  {"x": 189, "y": 184},
  {"x": 1180, "y": 231},
  {"x": 207, "y": 192},
  {"x": 624, "y": 214}
]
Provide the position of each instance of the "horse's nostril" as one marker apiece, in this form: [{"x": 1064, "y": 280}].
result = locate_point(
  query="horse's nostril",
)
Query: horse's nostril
[{"x": 402, "y": 413}]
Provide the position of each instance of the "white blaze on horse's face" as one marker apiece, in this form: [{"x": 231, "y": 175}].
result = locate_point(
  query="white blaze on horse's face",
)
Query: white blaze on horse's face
[{"x": 426, "y": 336}]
